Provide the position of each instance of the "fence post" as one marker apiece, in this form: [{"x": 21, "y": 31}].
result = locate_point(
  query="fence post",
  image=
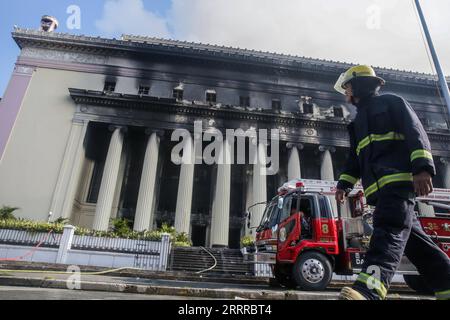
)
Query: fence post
[
  {"x": 164, "y": 252},
  {"x": 65, "y": 244}
]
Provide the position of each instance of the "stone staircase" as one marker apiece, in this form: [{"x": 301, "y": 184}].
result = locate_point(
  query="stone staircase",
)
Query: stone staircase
[{"x": 229, "y": 261}]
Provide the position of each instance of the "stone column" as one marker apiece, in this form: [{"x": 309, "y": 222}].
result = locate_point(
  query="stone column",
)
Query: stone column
[
  {"x": 294, "y": 171},
  {"x": 185, "y": 186},
  {"x": 220, "y": 219},
  {"x": 326, "y": 163},
  {"x": 144, "y": 209},
  {"x": 326, "y": 170},
  {"x": 12, "y": 101},
  {"x": 109, "y": 180},
  {"x": 69, "y": 173},
  {"x": 259, "y": 184}
]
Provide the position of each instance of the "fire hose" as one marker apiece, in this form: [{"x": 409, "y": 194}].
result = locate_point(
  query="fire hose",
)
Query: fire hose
[{"x": 215, "y": 262}]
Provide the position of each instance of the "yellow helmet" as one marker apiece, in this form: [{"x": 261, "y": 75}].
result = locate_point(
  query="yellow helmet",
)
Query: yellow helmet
[{"x": 356, "y": 72}]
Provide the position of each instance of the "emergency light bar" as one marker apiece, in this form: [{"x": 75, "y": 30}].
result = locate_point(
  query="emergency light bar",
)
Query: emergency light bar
[
  {"x": 322, "y": 186},
  {"x": 291, "y": 185}
]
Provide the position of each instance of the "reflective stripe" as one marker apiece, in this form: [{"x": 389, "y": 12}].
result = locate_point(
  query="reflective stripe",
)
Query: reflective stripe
[
  {"x": 443, "y": 295},
  {"x": 421, "y": 153},
  {"x": 348, "y": 178},
  {"x": 374, "y": 283},
  {"x": 378, "y": 137},
  {"x": 398, "y": 177}
]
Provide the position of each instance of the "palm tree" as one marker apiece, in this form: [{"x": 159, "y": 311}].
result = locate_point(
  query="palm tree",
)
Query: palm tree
[{"x": 6, "y": 213}]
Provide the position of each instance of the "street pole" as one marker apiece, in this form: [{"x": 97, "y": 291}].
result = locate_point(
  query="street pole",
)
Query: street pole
[{"x": 442, "y": 81}]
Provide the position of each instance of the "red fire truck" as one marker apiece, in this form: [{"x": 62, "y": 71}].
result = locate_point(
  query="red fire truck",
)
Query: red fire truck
[{"x": 306, "y": 237}]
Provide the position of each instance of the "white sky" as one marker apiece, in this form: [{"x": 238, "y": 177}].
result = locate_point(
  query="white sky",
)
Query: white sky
[{"x": 377, "y": 32}]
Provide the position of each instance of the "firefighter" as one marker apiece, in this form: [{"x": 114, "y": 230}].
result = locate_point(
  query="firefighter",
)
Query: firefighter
[{"x": 391, "y": 154}]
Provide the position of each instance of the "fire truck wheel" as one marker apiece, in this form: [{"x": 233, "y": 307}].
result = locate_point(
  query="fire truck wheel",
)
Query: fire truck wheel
[
  {"x": 417, "y": 283},
  {"x": 283, "y": 279},
  {"x": 312, "y": 271}
]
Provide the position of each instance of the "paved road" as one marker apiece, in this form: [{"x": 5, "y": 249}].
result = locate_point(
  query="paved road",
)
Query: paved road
[
  {"x": 25, "y": 293},
  {"x": 109, "y": 287}
]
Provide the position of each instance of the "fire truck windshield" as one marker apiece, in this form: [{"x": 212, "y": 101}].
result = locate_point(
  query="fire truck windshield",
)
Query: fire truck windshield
[
  {"x": 269, "y": 212},
  {"x": 274, "y": 210}
]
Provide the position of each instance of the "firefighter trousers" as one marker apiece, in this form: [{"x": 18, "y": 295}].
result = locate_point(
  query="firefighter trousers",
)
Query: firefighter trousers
[{"x": 397, "y": 231}]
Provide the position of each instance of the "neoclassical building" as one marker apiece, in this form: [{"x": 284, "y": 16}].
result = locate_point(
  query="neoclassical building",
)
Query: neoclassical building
[{"x": 86, "y": 128}]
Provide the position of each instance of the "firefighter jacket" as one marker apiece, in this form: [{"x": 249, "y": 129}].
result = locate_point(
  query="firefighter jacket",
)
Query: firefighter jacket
[{"x": 388, "y": 145}]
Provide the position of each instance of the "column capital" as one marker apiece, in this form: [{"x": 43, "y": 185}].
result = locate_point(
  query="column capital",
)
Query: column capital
[
  {"x": 80, "y": 121},
  {"x": 323, "y": 148},
  {"x": 158, "y": 132},
  {"x": 290, "y": 145},
  {"x": 113, "y": 127}
]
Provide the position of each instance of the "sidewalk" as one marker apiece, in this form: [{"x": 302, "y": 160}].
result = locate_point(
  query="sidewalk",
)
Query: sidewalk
[{"x": 168, "y": 284}]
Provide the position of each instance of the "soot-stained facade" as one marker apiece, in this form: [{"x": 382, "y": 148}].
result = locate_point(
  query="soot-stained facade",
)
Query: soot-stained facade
[{"x": 88, "y": 124}]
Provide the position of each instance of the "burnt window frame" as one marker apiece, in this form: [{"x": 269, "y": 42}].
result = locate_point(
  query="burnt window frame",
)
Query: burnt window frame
[
  {"x": 144, "y": 90},
  {"x": 340, "y": 112},
  {"x": 110, "y": 86},
  {"x": 308, "y": 108},
  {"x": 276, "y": 105},
  {"x": 209, "y": 94},
  {"x": 244, "y": 101},
  {"x": 178, "y": 94}
]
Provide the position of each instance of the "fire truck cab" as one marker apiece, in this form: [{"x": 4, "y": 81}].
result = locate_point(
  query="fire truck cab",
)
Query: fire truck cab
[{"x": 305, "y": 237}]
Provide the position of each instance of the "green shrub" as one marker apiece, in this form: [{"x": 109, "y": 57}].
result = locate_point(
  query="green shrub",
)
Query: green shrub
[
  {"x": 247, "y": 241},
  {"x": 182, "y": 240},
  {"x": 166, "y": 228},
  {"x": 7, "y": 213},
  {"x": 121, "y": 229},
  {"x": 30, "y": 226},
  {"x": 61, "y": 221},
  {"x": 182, "y": 244}
]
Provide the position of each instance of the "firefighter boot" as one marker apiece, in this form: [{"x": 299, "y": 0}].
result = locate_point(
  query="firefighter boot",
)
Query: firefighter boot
[{"x": 348, "y": 293}]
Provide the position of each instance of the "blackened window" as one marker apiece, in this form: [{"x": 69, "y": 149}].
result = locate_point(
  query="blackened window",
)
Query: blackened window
[
  {"x": 109, "y": 86},
  {"x": 211, "y": 96},
  {"x": 338, "y": 112},
  {"x": 308, "y": 108},
  {"x": 96, "y": 181},
  {"x": 276, "y": 105},
  {"x": 144, "y": 90},
  {"x": 436, "y": 121},
  {"x": 244, "y": 101},
  {"x": 178, "y": 94}
]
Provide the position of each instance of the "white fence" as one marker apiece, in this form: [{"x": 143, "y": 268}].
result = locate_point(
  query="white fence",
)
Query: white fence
[
  {"x": 67, "y": 248},
  {"x": 19, "y": 237},
  {"x": 116, "y": 245}
]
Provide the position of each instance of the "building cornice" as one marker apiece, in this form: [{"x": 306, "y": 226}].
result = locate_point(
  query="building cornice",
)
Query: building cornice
[
  {"x": 196, "y": 109},
  {"x": 135, "y": 44},
  {"x": 156, "y": 104}
]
